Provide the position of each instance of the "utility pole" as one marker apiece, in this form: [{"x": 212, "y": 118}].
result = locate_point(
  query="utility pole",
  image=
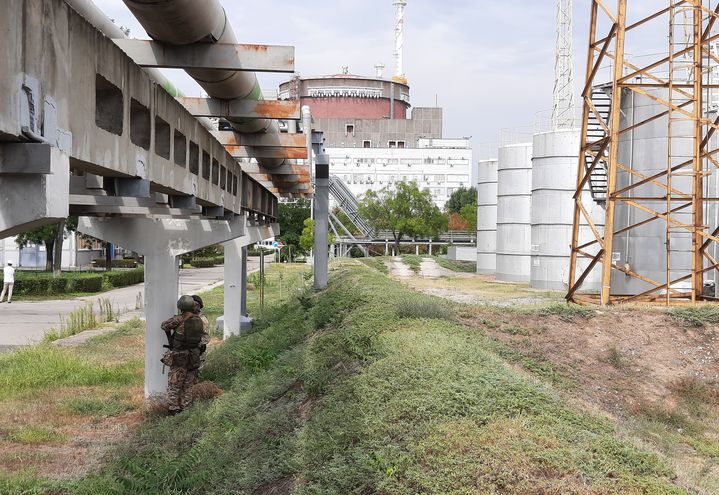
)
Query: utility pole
[{"x": 563, "y": 110}]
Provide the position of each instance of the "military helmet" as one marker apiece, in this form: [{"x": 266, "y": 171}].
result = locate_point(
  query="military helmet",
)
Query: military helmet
[
  {"x": 186, "y": 304},
  {"x": 198, "y": 300}
]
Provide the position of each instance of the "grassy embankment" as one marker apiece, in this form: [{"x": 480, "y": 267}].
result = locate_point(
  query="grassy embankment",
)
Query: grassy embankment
[{"x": 369, "y": 387}]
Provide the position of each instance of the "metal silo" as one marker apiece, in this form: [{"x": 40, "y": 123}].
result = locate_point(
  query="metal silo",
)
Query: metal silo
[
  {"x": 487, "y": 217},
  {"x": 554, "y": 170},
  {"x": 514, "y": 198},
  {"x": 644, "y": 150}
]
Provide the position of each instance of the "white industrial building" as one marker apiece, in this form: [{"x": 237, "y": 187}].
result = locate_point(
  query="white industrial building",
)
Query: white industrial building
[{"x": 440, "y": 165}]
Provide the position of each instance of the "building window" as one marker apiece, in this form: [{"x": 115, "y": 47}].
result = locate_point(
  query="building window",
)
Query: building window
[
  {"x": 366, "y": 144},
  {"x": 349, "y": 129},
  {"x": 392, "y": 144},
  {"x": 400, "y": 144}
]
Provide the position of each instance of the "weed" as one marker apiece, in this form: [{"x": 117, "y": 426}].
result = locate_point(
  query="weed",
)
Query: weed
[
  {"x": 457, "y": 266},
  {"x": 414, "y": 262},
  {"x": 417, "y": 306},
  {"x": 615, "y": 358},
  {"x": 516, "y": 330},
  {"x": 696, "y": 316},
  {"x": 490, "y": 324},
  {"x": 36, "y": 434},
  {"x": 94, "y": 405},
  {"x": 567, "y": 312},
  {"x": 376, "y": 263}
]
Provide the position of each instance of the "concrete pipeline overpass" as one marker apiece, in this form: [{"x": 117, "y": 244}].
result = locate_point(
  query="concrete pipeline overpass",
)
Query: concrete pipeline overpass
[{"x": 90, "y": 127}]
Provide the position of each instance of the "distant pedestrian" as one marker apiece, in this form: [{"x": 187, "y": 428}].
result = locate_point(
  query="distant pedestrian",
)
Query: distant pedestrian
[{"x": 8, "y": 282}]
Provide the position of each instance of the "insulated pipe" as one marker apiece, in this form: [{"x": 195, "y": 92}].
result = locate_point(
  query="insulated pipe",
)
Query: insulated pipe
[{"x": 182, "y": 22}]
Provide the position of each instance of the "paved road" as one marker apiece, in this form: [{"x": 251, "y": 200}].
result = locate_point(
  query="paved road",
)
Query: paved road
[{"x": 25, "y": 322}]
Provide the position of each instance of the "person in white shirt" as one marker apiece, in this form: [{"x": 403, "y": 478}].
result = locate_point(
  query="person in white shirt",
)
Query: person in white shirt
[{"x": 8, "y": 282}]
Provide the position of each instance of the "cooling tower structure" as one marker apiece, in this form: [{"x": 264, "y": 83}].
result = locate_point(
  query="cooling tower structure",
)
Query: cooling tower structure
[
  {"x": 554, "y": 166},
  {"x": 514, "y": 199},
  {"x": 487, "y": 217}
]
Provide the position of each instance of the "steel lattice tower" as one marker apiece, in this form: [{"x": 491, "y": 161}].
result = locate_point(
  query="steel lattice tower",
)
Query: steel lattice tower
[
  {"x": 661, "y": 56},
  {"x": 563, "y": 110}
]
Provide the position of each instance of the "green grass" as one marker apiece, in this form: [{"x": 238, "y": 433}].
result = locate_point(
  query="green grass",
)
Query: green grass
[
  {"x": 378, "y": 263},
  {"x": 568, "y": 311},
  {"x": 34, "y": 435},
  {"x": 413, "y": 261},
  {"x": 42, "y": 366},
  {"x": 697, "y": 316},
  {"x": 98, "y": 405},
  {"x": 456, "y": 266},
  {"x": 338, "y": 393}
]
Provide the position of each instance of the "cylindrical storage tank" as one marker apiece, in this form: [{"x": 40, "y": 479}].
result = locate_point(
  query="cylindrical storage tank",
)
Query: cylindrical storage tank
[
  {"x": 554, "y": 181},
  {"x": 643, "y": 249},
  {"x": 514, "y": 199},
  {"x": 487, "y": 217}
]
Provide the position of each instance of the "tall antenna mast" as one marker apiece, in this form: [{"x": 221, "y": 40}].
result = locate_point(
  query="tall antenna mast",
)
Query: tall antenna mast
[
  {"x": 563, "y": 111},
  {"x": 399, "y": 6}
]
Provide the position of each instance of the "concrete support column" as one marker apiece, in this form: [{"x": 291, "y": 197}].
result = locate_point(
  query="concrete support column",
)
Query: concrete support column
[
  {"x": 235, "y": 320},
  {"x": 430, "y": 247},
  {"x": 386, "y": 247},
  {"x": 162, "y": 280},
  {"x": 416, "y": 249},
  {"x": 322, "y": 209}
]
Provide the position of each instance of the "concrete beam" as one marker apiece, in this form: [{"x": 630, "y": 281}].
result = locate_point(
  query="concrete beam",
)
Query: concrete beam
[
  {"x": 241, "y": 109},
  {"x": 31, "y": 201},
  {"x": 267, "y": 152},
  {"x": 221, "y": 56},
  {"x": 275, "y": 140},
  {"x": 25, "y": 158}
]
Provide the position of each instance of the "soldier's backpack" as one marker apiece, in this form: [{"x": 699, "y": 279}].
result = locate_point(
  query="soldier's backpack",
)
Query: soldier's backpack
[{"x": 189, "y": 334}]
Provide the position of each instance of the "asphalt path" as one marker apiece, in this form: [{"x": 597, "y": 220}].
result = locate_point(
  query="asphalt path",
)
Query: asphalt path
[{"x": 26, "y": 322}]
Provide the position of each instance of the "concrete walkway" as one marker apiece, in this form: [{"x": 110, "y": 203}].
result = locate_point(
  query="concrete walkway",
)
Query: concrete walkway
[{"x": 26, "y": 322}]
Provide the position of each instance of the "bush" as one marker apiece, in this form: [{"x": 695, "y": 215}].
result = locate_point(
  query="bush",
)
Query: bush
[
  {"x": 121, "y": 263},
  {"x": 126, "y": 278},
  {"x": 202, "y": 263},
  {"x": 218, "y": 260},
  {"x": 44, "y": 284}
]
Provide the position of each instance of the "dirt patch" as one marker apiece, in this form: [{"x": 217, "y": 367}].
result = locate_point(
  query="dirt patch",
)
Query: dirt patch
[
  {"x": 430, "y": 269},
  {"x": 76, "y": 444},
  {"x": 399, "y": 270},
  {"x": 620, "y": 359}
]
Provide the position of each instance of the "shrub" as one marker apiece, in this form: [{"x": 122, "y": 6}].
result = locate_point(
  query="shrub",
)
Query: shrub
[
  {"x": 413, "y": 306},
  {"x": 126, "y": 278},
  {"x": 120, "y": 263},
  {"x": 696, "y": 316},
  {"x": 91, "y": 283},
  {"x": 202, "y": 262},
  {"x": 218, "y": 260}
]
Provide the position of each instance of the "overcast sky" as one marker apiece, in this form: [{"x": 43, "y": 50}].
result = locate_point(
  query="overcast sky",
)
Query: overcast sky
[{"x": 488, "y": 63}]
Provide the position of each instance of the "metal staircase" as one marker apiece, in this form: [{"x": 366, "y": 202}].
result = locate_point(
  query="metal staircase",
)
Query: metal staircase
[
  {"x": 602, "y": 100},
  {"x": 348, "y": 204}
]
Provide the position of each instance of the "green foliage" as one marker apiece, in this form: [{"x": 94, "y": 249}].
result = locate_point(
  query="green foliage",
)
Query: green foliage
[
  {"x": 202, "y": 262},
  {"x": 423, "y": 307},
  {"x": 125, "y": 278},
  {"x": 376, "y": 263},
  {"x": 403, "y": 210},
  {"x": 43, "y": 284},
  {"x": 291, "y": 217},
  {"x": 36, "y": 434},
  {"x": 341, "y": 395},
  {"x": 696, "y": 316},
  {"x": 461, "y": 198},
  {"x": 413, "y": 261},
  {"x": 45, "y": 365},
  {"x": 118, "y": 263},
  {"x": 307, "y": 239},
  {"x": 209, "y": 252},
  {"x": 99, "y": 406},
  {"x": 457, "y": 266},
  {"x": 46, "y": 236},
  {"x": 469, "y": 213},
  {"x": 567, "y": 312}
]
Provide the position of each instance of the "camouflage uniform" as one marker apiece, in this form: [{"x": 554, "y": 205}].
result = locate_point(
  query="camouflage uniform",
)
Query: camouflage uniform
[{"x": 184, "y": 365}]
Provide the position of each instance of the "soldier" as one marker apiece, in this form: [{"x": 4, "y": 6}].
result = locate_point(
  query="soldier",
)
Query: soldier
[{"x": 187, "y": 337}]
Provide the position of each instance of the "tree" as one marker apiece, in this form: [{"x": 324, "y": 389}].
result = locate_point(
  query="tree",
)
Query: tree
[
  {"x": 461, "y": 198},
  {"x": 457, "y": 222},
  {"x": 307, "y": 239},
  {"x": 469, "y": 214},
  {"x": 52, "y": 237},
  {"x": 291, "y": 217},
  {"x": 404, "y": 211}
]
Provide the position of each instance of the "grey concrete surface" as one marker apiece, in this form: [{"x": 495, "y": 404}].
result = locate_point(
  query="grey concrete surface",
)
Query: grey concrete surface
[{"x": 26, "y": 322}]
